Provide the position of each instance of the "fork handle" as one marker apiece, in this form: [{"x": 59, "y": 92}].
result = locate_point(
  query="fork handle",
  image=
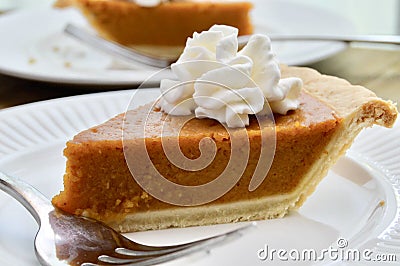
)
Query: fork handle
[
  {"x": 34, "y": 201},
  {"x": 382, "y": 39}
]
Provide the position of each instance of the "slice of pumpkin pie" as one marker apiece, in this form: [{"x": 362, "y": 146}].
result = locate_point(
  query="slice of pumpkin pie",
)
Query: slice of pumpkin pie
[
  {"x": 277, "y": 130},
  {"x": 160, "y": 22}
]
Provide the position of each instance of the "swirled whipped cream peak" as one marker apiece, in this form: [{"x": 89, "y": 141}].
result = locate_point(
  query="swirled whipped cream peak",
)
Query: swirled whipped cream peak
[{"x": 215, "y": 80}]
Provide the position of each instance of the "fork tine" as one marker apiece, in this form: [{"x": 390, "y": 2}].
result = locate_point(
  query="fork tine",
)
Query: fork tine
[
  {"x": 141, "y": 253},
  {"x": 156, "y": 257},
  {"x": 115, "y": 48},
  {"x": 161, "y": 251},
  {"x": 118, "y": 261}
]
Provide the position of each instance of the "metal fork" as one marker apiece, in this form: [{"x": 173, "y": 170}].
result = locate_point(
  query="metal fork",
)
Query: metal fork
[
  {"x": 65, "y": 239},
  {"x": 132, "y": 55}
]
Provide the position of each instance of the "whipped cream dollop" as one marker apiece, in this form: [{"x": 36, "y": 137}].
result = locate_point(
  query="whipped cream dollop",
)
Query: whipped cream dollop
[
  {"x": 217, "y": 81},
  {"x": 153, "y": 3},
  {"x": 148, "y": 3}
]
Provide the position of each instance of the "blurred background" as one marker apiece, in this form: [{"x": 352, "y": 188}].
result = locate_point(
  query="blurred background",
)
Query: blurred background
[
  {"x": 368, "y": 16},
  {"x": 374, "y": 66}
]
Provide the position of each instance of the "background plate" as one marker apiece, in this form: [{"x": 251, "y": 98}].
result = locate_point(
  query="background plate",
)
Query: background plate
[{"x": 36, "y": 48}]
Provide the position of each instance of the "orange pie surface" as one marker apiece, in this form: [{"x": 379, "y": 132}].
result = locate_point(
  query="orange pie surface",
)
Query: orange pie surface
[{"x": 167, "y": 24}]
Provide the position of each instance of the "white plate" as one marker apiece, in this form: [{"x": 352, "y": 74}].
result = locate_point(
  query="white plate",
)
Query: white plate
[
  {"x": 35, "y": 47},
  {"x": 346, "y": 204}
]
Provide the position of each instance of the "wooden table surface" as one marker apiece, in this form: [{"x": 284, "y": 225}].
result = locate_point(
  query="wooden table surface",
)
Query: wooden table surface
[{"x": 375, "y": 68}]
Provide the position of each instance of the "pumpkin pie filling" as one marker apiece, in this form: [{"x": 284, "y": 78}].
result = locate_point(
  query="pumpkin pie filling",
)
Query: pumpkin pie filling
[
  {"x": 166, "y": 24},
  {"x": 100, "y": 184}
]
